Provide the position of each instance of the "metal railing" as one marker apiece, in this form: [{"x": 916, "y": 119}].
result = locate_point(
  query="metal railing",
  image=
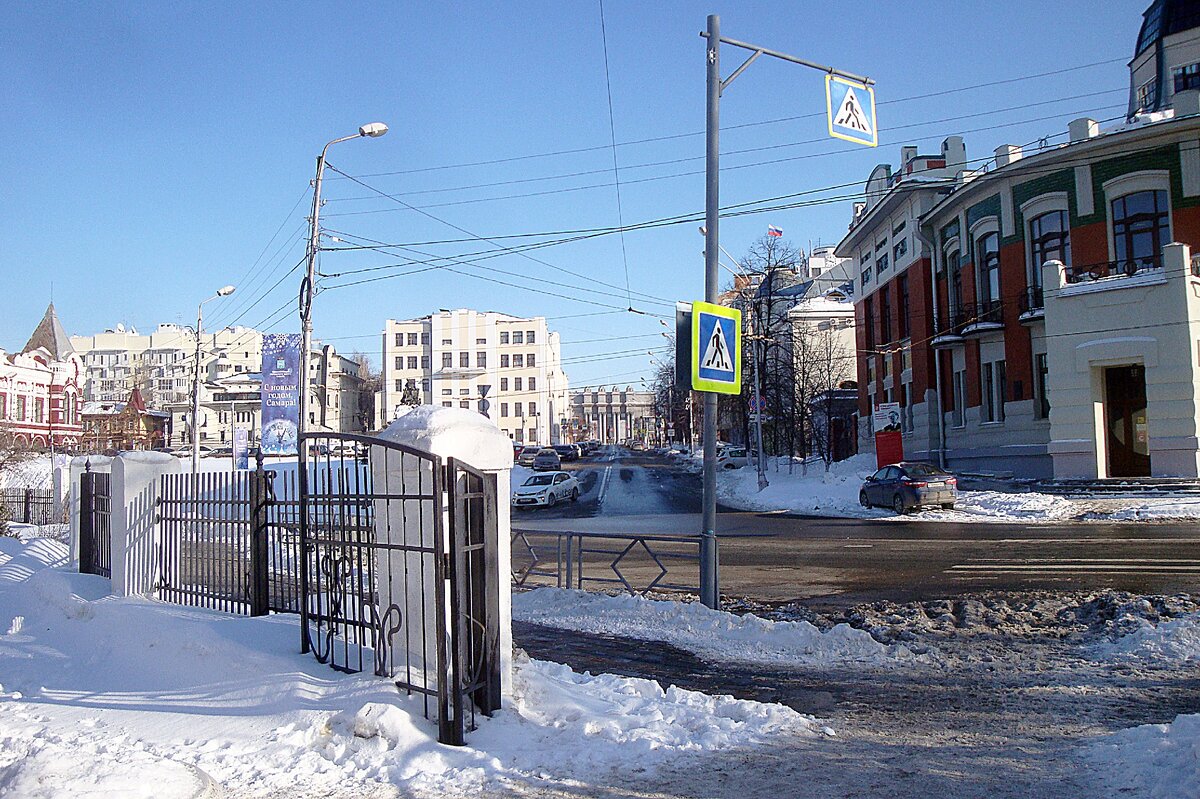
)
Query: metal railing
[
  {"x": 635, "y": 563},
  {"x": 950, "y": 324},
  {"x": 1031, "y": 299},
  {"x": 1109, "y": 269},
  {"x": 29, "y": 506},
  {"x": 987, "y": 312}
]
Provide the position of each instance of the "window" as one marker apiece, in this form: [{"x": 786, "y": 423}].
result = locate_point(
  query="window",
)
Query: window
[
  {"x": 954, "y": 269},
  {"x": 447, "y": 359},
  {"x": 533, "y": 409},
  {"x": 870, "y": 369},
  {"x": 412, "y": 339},
  {"x": 865, "y": 278},
  {"x": 902, "y": 285},
  {"x": 424, "y": 361},
  {"x": 504, "y": 337},
  {"x": 533, "y": 434},
  {"x": 465, "y": 404},
  {"x": 481, "y": 360},
  {"x": 1049, "y": 240},
  {"x": 517, "y": 384},
  {"x": 481, "y": 341},
  {"x": 1147, "y": 94},
  {"x": 533, "y": 384},
  {"x": 881, "y": 246},
  {"x": 899, "y": 250},
  {"x": 425, "y": 338},
  {"x": 503, "y": 361},
  {"x": 960, "y": 397},
  {"x": 20, "y": 409},
  {"x": 899, "y": 228},
  {"x": 885, "y": 314},
  {"x": 869, "y": 322},
  {"x": 886, "y": 360},
  {"x": 447, "y": 404},
  {"x": 987, "y": 257},
  {"x": 1186, "y": 77},
  {"x": 399, "y": 385},
  {"x": 504, "y": 410},
  {"x": 412, "y": 362},
  {"x": 531, "y": 360},
  {"x": 518, "y": 361},
  {"x": 529, "y": 337},
  {"x": 465, "y": 391},
  {"x": 1041, "y": 397},
  {"x": 504, "y": 384},
  {"x": 881, "y": 263},
  {"x": 399, "y": 339},
  {"x": 1140, "y": 226},
  {"x": 464, "y": 359},
  {"x": 993, "y": 392},
  {"x": 518, "y": 337},
  {"x": 399, "y": 362},
  {"x": 39, "y": 408}
]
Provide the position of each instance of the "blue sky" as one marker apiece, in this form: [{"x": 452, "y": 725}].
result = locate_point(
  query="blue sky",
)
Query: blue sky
[{"x": 156, "y": 152}]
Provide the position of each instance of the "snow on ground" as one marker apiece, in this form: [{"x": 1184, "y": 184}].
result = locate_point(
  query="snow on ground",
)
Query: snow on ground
[
  {"x": 714, "y": 635},
  {"x": 103, "y": 696},
  {"x": 1168, "y": 641},
  {"x": 834, "y": 493},
  {"x": 1153, "y": 761},
  {"x": 33, "y": 472}
]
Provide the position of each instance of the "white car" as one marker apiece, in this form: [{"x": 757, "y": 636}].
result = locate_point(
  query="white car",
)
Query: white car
[
  {"x": 546, "y": 489},
  {"x": 732, "y": 458}
]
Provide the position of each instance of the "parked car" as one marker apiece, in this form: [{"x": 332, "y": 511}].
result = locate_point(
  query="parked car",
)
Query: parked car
[
  {"x": 567, "y": 452},
  {"x": 527, "y": 456},
  {"x": 517, "y": 451},
  {"x": 546, "y": 489},
  {"x": 908, "y": 485},
  {"x": 732, "y": 458},
  {"x": 219, "y": 452},
  {"x": 547, "y": 460}
]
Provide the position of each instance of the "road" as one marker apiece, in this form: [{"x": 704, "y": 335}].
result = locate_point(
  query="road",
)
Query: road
[{"x": 831, "y": 564}]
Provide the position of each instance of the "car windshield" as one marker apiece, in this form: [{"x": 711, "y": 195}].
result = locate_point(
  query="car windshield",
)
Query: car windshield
[
  {"x": 529, "y": 451},
  {"x": 547, "y": 452},
  {"x": 539, "y": 480},
  {"x": 921, "y": 469}
]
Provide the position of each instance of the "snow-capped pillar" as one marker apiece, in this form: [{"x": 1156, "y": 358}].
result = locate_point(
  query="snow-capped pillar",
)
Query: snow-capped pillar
[
  {"x": 133, "y": 519},
  {"x": 473, "y": 439}
]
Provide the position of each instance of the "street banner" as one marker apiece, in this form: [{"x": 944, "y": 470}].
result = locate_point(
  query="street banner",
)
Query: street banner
[
  {"x": 281, "y": 375},
  {"x": 241, "y": 448},
  {"x": 889, "y": 440}
]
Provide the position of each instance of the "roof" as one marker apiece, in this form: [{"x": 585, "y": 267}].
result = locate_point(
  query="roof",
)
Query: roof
[{"x": 50, "y": 336}]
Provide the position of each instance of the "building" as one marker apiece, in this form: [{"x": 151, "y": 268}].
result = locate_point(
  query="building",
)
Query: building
[
  {"x": 123, "y": 426},
  {"x": 613, "y": 415},
  {"x": 1048, "y": 327},
  {"x": 507, "y": 368},
  {"x": 826, "y": 371},
  {"x": 40, "y": 396}
]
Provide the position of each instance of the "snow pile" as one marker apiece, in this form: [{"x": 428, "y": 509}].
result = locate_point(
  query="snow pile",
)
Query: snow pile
[
  {"x": 711, "y": 634},
  {"x": 453, "y": 432},
  {"x": 35, "y": 472},
  {"x": 106, "y": 696},
  {"x": 1154, "y": 761},
  {"x": 1169, "y": 641},
  {"x": 819, "y": 492}
]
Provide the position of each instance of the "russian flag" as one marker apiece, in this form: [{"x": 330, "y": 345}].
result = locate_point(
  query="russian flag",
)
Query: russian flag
[{"x": 774, "y": 231}]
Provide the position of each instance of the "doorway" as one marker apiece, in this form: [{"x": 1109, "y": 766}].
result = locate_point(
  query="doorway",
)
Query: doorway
[{"x": 1126, "y": 421}]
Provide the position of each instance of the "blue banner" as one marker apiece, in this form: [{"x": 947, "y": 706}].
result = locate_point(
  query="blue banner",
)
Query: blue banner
[
  {"x": 280, "y": 393},
  {"x": 241, "y": 448}
]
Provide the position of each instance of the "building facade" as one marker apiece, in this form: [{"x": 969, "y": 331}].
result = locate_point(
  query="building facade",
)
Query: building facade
[
  {"x": 614, "y": 415},
  {"x": 40, "y": 396},
  {"x": 124, "y": 426},
  {"x": 507, "y": 368}
]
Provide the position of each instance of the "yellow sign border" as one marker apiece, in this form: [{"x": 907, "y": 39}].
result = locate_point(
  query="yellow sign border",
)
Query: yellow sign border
[
  {"x": 874, "y": 142},
  {"x": 735, "y": 349}
]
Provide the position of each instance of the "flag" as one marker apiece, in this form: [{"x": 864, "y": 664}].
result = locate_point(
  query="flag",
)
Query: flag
[{"x": 774, "y": 231}]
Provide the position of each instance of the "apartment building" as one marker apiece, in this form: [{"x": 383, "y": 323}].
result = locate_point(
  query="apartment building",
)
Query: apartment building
[{"x": 506, "y": 367}]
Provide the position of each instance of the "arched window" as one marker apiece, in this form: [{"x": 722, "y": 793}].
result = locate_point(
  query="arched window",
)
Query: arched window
[
  {"x": 954, "y": 270},
  {"x": 1049, "y": 240},
  {"x": 987, "y": 258},
  {"x": 1141, "y": 226}
]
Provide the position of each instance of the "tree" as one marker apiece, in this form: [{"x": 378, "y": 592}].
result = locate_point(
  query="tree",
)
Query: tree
[
  {"x": 12, "y": 455},
  {"x": 824, "y": 362},
  {"x": 372, "y": 384},
  {"x": 670, "y": 402}
]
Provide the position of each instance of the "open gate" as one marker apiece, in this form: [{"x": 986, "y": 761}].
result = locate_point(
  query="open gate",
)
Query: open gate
[
  {"x": 95, "y": 533},
  {"x": 399, "y": 572}
]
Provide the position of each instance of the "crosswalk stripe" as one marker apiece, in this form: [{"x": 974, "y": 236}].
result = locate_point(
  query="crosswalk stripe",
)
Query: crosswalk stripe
[{"x": 1076, "y": 567}]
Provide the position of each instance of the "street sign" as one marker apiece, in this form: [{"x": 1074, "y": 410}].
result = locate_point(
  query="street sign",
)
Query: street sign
[
  {"x": 716, "y": 351},
  {"x": 850, "y": 110}
]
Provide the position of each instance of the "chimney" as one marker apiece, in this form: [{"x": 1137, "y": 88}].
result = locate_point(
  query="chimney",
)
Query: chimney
[
  {"x": 1007, "y": 153},
  {"x": 1186, "y": 103},
  {"x": 1083, "y": 128},
  {"x": 954, "y": 151},
  {"x": 907, "y": 154}
]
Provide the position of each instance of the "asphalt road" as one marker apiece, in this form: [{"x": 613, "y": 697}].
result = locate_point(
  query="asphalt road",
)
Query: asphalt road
[{"x": 835, "y": 563}]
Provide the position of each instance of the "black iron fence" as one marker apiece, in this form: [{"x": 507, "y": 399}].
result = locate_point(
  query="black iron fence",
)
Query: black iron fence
[
  {"x": 1032, "y": 299},
  {"x": 629, "y": 562},
  {"x": 95, "y": 529},
  {"x": 30, "y": 506},
  {"x": 988, "y": 312},
  {"x": 1106, "y": 269}
]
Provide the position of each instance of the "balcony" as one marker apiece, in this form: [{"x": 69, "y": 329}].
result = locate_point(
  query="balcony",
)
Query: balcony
[
  {"x": 983, "y": 317},
  {"x": 949, "y": 330},
  {"x": 1112, "y": 270},
  {"x": 1032, "y": 304}
]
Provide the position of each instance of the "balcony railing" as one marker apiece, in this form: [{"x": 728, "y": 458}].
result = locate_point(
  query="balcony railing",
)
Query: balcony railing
[
  {"x": 950, "y": 324},
  {"x": 1107, "y": 269},
  {"x": 989, "y": 312},
  {"x": 1196, "y": 266},
  {"x": 1032, "y": 299}
]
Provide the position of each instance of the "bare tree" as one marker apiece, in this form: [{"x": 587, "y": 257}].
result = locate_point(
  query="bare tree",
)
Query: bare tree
[{"x": 372, "y": 384}]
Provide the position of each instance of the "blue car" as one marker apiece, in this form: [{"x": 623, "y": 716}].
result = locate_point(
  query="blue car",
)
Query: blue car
[{"x": 908, "y": 486}]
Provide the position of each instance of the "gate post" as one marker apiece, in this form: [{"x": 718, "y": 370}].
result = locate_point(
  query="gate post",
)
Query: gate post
[
  {"x": 261, "y": 495},
  {"x": 28, "y": 505},
  {"x": 87, "y": 529}
]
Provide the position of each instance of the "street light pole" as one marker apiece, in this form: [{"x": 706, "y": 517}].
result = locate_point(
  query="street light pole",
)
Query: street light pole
[
  {"x": 373, "y": 130},
  {"x": 224, "y": 292}
]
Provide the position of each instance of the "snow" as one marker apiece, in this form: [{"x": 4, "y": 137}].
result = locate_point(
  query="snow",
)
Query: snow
[
  {"x": 1169, "y": 641},
  {"x": 834, "y": 493},
  {"x": 107, "y": 696},
  {"x": 33, "y": 472},
  {"x": 453, "y": 432},
  {"x": 1153, "y": 761},
  {"x": 714, "y": 635}
]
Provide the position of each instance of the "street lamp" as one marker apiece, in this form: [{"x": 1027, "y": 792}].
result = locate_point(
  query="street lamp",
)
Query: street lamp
[
  {"x": 223, "y": 292},
  {"x": 371, "y": 130}
]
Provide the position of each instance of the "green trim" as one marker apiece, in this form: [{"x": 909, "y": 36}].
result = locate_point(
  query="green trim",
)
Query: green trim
[{"x": 989, "y": 206}]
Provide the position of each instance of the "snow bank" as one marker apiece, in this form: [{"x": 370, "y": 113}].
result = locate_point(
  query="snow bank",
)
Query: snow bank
[
  {"x": 713, "y": 635},
  {"x": 34, "y": 472},
  {"x": 1174, "y": 640},
  {"x": 1154, "y": 761},
  {"x": 107, "y": 696}
]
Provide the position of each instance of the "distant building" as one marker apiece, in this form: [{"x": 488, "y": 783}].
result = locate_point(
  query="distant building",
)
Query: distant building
[
  {"x": 505, "y": 367},
  {"x": 123, "y": 426},
  {"x": 612, "y": 415},
  {"x": 40, "y": 395}
]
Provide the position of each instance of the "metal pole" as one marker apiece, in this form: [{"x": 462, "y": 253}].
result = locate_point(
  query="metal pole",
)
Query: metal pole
[
  {"x": 306, "y": 292},
  {"x": 758, "y": 407},
  {"x": 196, "y": 395},
  {"x": 710, "y": 593}
]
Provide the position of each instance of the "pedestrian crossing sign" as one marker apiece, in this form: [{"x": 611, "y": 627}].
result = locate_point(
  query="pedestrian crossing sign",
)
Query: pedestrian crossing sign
[
  {"x": 850, "y": 109},
  {"x": 716, "y": 348}
]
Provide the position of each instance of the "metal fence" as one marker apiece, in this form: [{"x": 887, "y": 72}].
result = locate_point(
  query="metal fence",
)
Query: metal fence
[
  {"x": 95, "y": 530},
  {"x": 629, "y": 562},
  {"x": 30, "y": 506}
]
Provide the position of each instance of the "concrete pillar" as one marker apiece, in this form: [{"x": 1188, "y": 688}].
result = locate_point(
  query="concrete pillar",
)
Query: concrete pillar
[{"x": 136, "y": 535}]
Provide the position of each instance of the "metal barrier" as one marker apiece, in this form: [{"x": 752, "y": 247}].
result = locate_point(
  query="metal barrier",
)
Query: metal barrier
[
  {"x": 567, "y": 559},
  {"x": 95, "y": 531},
  {"x": 30, "y": 506}
]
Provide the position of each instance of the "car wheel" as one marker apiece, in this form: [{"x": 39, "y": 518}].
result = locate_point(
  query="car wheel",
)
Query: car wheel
[
  {"x": 551, "y": 499},
  {"x": 862, "y": 499},
  {"x": 574, "y": 494},
  {"x": 947, "y": 506},
  {"x": 898, "y": 505}
]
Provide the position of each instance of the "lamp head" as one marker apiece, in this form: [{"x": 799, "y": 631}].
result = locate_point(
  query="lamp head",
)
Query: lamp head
[
  {"x": 225, "y": 292},
  {"x": 373, "y": 129}
]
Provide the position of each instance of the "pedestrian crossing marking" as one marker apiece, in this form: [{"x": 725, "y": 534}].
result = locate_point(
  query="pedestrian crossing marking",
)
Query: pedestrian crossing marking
[
  {"x": 851, "y": 114},
  {"x": 716, "y": 355},
  {"x": 850, "y": 110},
  {"x": 715, "y": 352}
]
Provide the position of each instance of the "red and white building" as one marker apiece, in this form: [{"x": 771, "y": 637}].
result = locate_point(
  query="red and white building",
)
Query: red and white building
[{"x": 40, "y": 398}]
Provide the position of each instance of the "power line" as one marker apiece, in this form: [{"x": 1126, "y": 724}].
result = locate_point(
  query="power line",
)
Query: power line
[{"x": 612, "y": 131}]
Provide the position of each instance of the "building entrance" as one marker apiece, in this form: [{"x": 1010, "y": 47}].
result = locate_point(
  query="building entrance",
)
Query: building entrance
[{"x": 1127, "y": 422}]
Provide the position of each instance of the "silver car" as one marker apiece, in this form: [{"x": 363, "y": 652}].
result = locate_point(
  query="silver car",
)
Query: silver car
[{"x": 546, "y": 460}]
